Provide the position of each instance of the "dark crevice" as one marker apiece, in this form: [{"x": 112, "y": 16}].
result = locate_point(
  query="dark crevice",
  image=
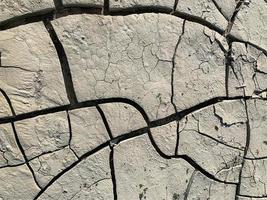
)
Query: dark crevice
[
  {"x": 58, "y": 4},
  {"x": 228, "y": 64},
  {"x": 70, "y": 135},
  {"x": 256, "y": 158},
  {"x": 251, "y": 196},
  {"x": 111, "y": 155},
  {"x": 63, "y": 62},
  {"x": 172, "y": 83},
  {"x": 220, "y": 9},
  {"x": 175, "y": 5},
  {"x": 8, "y": 99},
  {"x": 106, "y": 7},
  {"x": 50, "y": 14},
  {"x": 246, "y": 149},
  {"x": 232, "y": 20},
  {"x": 90, "y": 103},
  {"x": 104, "y": 119},
  {"x": 113, "y": 175}
]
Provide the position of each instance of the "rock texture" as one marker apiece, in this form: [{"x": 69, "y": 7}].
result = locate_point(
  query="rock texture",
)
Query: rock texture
[{"x": 131, "y": 99}]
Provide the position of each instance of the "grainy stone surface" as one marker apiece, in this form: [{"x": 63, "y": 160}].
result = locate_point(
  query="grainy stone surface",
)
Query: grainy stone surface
[
  {"x": 16, "y": 8},
  {"x": 131, "y": 99}
]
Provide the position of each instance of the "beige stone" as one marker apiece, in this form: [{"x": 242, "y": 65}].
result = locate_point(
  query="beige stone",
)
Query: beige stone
[
  {"x": 10, "y": 9},
  {"x": 28, "y": 55}
]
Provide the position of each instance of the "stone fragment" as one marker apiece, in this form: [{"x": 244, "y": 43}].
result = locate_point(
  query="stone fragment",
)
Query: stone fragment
[
  {"x": 202, "y": 187},
  {"x": 43, "y": 134},
  {"x": 10, "y": 9},
  {"x": 17, "y": 183},
  {"x": 9, "y": 150},
  {"x": 49, "y": 165},
  {"x": 115, "y": 4},
  {"x": 257, "y": 113},
  {"x": 251, "y": 23},
  {"x": 88, "y": 130},
  {"x": 204, "y": 9},
  {"x": 199, "y": 71},
  {"x": 122, "y": 118},
  {"x": 254, "y": 178},
  {"x": 142, "y": 174},
  {"x": 117, "y": 57},
  {"x": 166, "y": 137},
  {"x": 28, "y": 54},
  {"x": 90, "y": 179},
  {"x": 5, "y": 110},
  {"x": 248, "y": 71},
  {"x": 83, "y": 2},
  {"x": 222, "y": 161},
  {"x": 249, "y": 198}
]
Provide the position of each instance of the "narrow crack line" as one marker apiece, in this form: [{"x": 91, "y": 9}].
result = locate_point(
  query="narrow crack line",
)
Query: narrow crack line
[
  {"x": 232, "y": 20},
  {"x": 185, "y": 112},
  {"x": 113, "y": 175},
  {"x": 58, "y": 4},
  {"x": 251, "y": 196},
  {"x": 63, "y": 62},
  {"x": 104, "y": 119},
  {"x": 17, "y": 138},
  {"x": 246, "y": 149},
  {"x": 189, "y": 184},
  {"x": 256, "y": 158},
  {"x": 90, "y": 103},
  {"x": 220, "y": 9},
  {"x": 172, "y": 81},
  {"x": 177, "y": 139},
  {"x": 175, "y": 5},
  {"x": 218, "y": 141},
  {"x": 70, "y": 135},
  {"x": 111, "y": 155},
  {"x": 228, "y": 64},
  {"x": 173, "y": 65},
  {"x": 106, "y": 7}
]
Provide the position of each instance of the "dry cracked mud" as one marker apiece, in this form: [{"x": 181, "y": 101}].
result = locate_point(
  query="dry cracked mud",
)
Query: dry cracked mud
[{"x": 133, "y": 99}]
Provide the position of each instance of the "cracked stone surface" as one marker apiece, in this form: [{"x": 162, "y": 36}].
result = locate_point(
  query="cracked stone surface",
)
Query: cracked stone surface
[
  {"x": 10, "y": 9},
  {"x": 131, "y": 99}
]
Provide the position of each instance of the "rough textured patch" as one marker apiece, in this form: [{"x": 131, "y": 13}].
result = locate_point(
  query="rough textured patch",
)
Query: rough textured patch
[
  {"x": 43, "y": 133},
  {"x": 88, "y": 130},
  {"x": 36, "y": 68},
  {"x": 90, "y": 179},
  {"x": 17, "y": 183},
  {"x": 83, "y": 2},
  {"x": 251, "y": 23},
  {"x": 116, "y": 57},
  {"x": 254, "y": 178},
  {"x": 142, "y": 174},
  {"x": 9, "y": 151},
  {"x": 199, "y": 67},
  {"x": 10, "y": 9}
]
